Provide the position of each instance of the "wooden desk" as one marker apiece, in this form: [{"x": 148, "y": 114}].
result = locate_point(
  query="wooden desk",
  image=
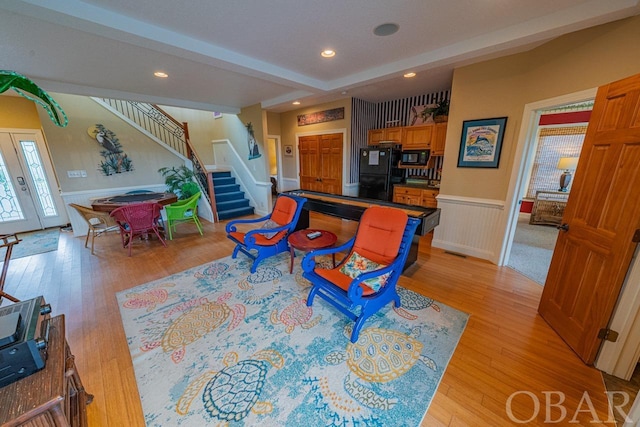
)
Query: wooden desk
[
  {"x": 107, "y": 204},
  {"x": 352, "y": 208},
  {"x": 53, "y": 396}
]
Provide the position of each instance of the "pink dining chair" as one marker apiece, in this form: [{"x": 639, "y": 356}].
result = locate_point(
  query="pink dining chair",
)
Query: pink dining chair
[{"x": 137, "y": 219}]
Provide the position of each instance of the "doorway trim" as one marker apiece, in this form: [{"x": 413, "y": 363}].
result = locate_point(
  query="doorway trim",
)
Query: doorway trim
[
  {"x": 619, "y": 358},
  {"x": 524, "y": 157},
  {"x": 278, "y": 161}
]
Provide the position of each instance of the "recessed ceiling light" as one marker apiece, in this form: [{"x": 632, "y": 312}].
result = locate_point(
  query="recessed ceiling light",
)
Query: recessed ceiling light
[
  {"x": 386, "y": 29},
  {"x": 296, "y": 102},
  {"x": 409, "y": 75},
  {"x": 161, "y": 74},
  {"x": 328, "y": 53}
]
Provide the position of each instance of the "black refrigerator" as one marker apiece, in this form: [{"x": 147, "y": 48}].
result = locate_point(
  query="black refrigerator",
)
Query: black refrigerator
[{"x": 379, "y": 172}]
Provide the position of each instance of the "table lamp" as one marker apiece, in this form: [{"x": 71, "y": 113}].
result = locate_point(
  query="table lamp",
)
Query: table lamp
[{"x": 567, "y": 164}]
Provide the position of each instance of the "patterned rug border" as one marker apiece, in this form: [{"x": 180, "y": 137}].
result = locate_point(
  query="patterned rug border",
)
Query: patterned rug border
[{"x": 331, "y": 386}]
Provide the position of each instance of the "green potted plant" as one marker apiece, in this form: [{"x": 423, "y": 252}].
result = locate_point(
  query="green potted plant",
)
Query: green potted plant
[
  {"x": 440, "y": 112},
  {"x": 179, "y": 181}
]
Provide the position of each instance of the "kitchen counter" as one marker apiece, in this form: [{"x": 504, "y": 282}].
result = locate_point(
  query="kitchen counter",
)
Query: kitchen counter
[{"x": 418, "y": 185}]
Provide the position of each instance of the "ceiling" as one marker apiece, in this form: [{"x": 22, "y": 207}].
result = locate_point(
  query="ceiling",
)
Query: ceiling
[{"x": 226, "y": 55}]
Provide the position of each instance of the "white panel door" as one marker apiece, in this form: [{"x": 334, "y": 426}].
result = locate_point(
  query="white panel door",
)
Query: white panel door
[{"x": 29, "y": 197}]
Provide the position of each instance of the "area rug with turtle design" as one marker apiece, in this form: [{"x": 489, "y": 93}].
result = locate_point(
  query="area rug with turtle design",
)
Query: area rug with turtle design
[{"x": 217, "y": 345}]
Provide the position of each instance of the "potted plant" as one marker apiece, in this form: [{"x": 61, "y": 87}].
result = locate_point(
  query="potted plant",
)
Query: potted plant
[
  {"x": 440, "y": 112},
  {"x": 180, "y": 181}
]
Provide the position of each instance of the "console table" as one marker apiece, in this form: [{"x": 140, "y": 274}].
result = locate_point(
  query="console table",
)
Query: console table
[
  {"x": 548, "y": 207},
  {"x": 51, "y": 397}
]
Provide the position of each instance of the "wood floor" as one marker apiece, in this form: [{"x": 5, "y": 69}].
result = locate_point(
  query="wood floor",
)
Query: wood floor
[{"x": 506, "y": 348}]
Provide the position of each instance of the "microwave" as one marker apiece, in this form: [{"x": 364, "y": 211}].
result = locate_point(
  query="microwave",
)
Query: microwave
[{"x": 415, "y": 157}]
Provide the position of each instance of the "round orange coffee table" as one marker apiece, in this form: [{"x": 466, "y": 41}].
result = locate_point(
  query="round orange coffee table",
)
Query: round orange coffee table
[{"x": 299, "y": 240}]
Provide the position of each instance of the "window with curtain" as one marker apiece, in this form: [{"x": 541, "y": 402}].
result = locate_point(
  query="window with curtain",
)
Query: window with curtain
[{"x": 553, "y": 142}]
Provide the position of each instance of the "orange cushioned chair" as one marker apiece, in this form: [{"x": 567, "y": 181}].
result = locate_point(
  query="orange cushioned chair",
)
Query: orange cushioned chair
[
  {"x": 368, "y": 275},
  {"x": 138, "y": 219},
  {"x": 271, "y": 238}
]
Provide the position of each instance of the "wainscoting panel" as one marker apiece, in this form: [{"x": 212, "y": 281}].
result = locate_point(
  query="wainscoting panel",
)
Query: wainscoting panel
[{"x": 470, "y": 226}]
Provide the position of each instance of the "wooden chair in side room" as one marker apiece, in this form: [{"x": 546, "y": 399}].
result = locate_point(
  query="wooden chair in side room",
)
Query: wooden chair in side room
[
  {"x": 97, "y": 223},
  {"x": 368, "y": 274}
]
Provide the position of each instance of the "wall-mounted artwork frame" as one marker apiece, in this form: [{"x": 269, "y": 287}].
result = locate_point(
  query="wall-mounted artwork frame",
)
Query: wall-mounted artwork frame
[
  {"x": 481, "y": 143},
  {"x": 321, "y": 116},
  {"x": 288, "y": 150}
]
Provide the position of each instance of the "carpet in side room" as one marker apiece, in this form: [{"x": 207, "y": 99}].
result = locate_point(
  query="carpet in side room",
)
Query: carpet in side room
[
  {"x": 532, "y": 249},
  {"x": 216, "y": 344}
]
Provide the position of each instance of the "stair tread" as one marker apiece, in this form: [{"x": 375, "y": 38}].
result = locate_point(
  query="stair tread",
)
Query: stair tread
[
  {"x": 231, "y": 202},
  {"x": 232, "y": 213}
]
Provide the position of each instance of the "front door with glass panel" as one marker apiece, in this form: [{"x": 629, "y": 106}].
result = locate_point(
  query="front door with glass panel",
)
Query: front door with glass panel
[{"x": 27, "y": 183}]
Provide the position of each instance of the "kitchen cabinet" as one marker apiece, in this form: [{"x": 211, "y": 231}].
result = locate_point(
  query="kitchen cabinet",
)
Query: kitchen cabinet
[
  {"x": 439, "y": 139},
  {"x": 425, "y": 197},
  {"x": 376, "y": 136},
  {"x": 407, "y": 195},
  {"x": 422, "y": 137},
  {"x": 417, "y": 137},
  {"x": 428, "y": 199}
]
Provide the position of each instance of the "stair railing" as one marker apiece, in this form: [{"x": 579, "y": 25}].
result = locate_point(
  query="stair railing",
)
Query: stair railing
[{"x": 171, "y": 132}]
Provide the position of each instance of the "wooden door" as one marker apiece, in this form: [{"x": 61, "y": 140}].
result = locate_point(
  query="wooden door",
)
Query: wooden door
[
  {"x": 331, "y": 163},
  {"x": 309, "y": 163},
  {"x": 602, "y": 221}
]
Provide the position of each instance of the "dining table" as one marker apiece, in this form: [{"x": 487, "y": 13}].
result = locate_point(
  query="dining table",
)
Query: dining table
[{"x": 108, "y": 204}]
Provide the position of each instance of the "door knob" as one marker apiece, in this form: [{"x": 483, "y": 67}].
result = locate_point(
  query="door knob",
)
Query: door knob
[{"x": 563, "y": 227}]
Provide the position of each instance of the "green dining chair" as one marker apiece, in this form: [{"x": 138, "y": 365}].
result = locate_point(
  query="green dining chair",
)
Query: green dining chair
[{"x": 183, "y": 211}]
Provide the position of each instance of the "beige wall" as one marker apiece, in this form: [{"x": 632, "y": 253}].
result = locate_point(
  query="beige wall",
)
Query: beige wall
[
  {"x": 501, "y": 87},
  {"x": 202, "y": 129},
  {"x": 72, "y": 148},
  {"x": 290, "y": 128},
  {"x": 273, "y": 123},
  {"x": 18, "y": 112},
  {"x": 258, "y": 118}
]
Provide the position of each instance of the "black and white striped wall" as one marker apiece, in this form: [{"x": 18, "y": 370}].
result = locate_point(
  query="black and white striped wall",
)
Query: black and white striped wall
[{"x": 368, "y": 115}]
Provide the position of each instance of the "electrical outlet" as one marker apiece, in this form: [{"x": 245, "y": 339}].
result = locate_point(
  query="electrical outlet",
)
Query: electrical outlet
[{"x": 77, "y": 174}]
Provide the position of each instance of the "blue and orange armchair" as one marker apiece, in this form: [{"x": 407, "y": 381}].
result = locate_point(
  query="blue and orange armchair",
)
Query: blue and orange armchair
[
  {"x": 365, "y": 280},
  {"x": 271, "y": 238}
]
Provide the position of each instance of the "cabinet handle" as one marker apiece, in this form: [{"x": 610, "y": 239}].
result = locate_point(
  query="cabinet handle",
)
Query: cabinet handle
[{"x": 563, "y": 227}]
